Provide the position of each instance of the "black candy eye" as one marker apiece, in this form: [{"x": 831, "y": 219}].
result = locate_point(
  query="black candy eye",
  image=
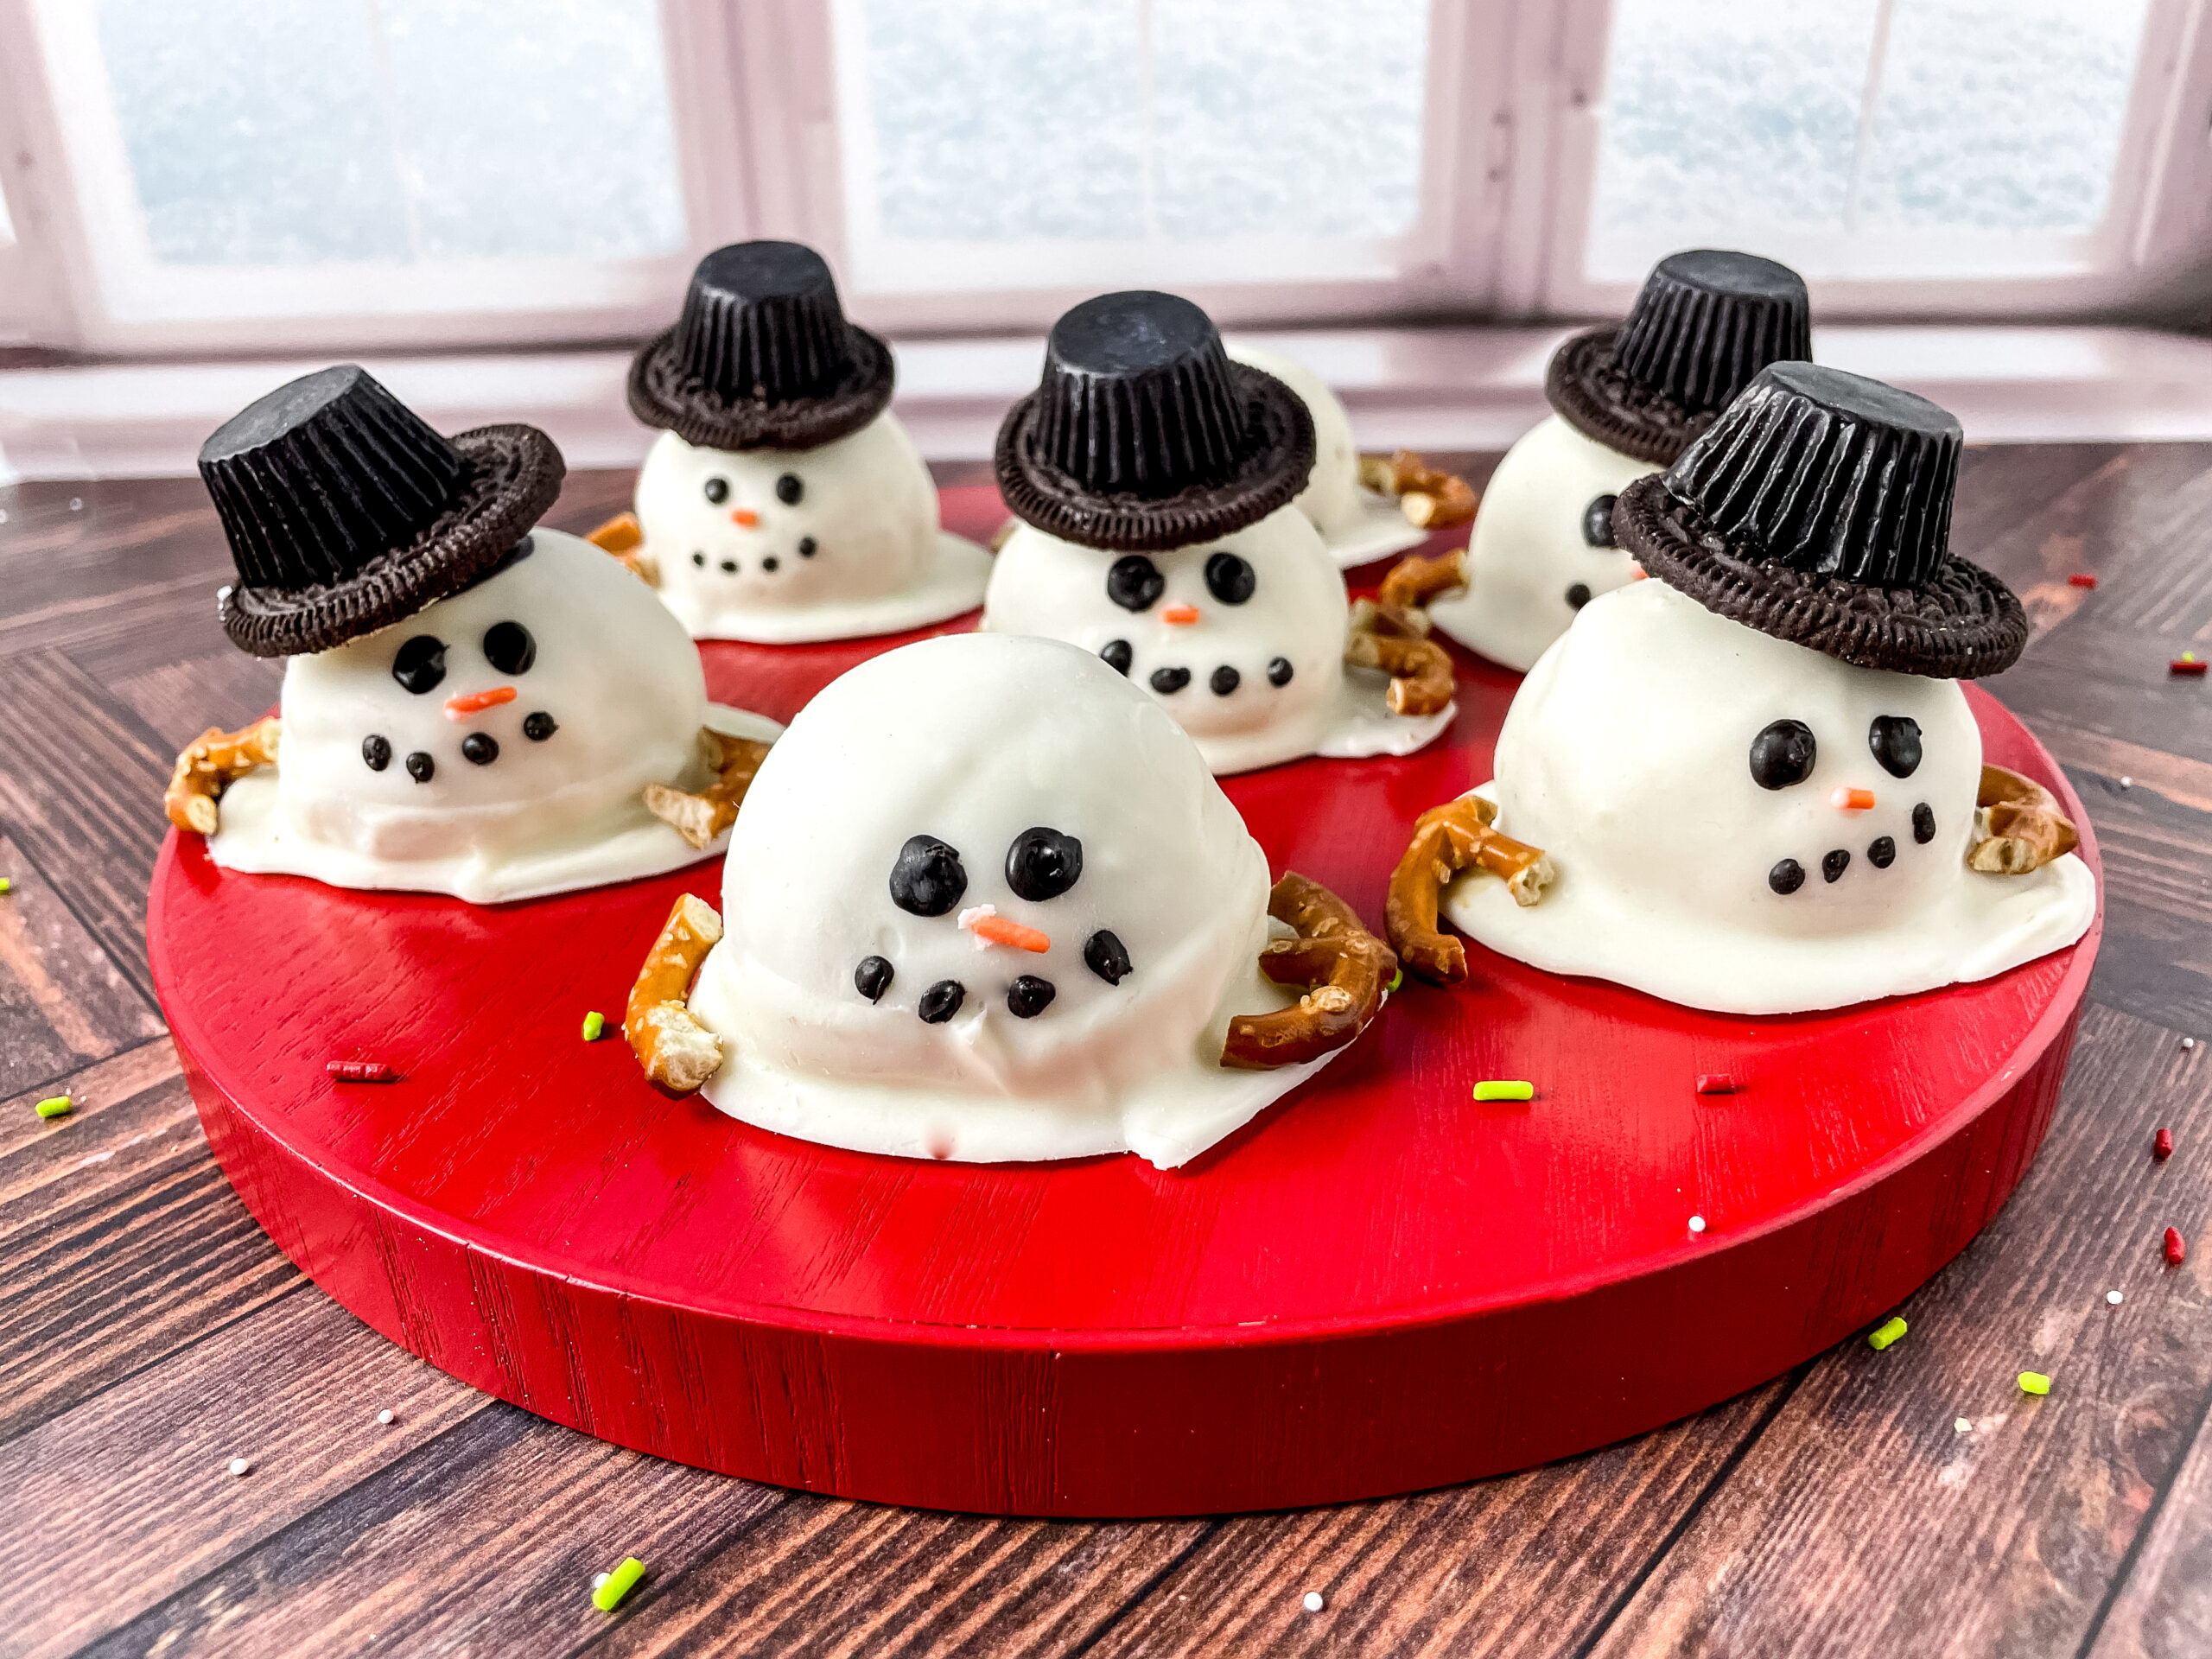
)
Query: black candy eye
[
  {"x": 377, "y": 751},
  {"x": 872, "y": 978},
  {"x": 1782, "y": 754},
  {"x": 1597, "y": 521},
  {"x": 1229, "y": 579},
  {"x": 1895, "y": 740},
  {"x": 509, "y": 648},
  {"x": 1578, "y": 596},
  {"x": 1106, "y": 957},
  {"x": 1117, "y": 654},
  {"x": 788, "y": 489},
  {"x": 1043, "y": 864},
  {"x": 421, "y": 663},
  {"x": 1029, "y": 996},
  {"x": 1135, "y": 583},
  {"x": 927, "y": 880},
  {"x": 717, "y": 490}
]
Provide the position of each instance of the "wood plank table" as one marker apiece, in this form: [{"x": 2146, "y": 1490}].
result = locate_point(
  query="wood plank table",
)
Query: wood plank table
[{"x": 1912, "y": 1501}]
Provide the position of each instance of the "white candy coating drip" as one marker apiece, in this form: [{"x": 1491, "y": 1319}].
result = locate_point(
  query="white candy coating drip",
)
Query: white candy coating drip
[
  {"x": 1625, "y": 756},
  {"x": 867, "y": 506},
  {"x": 1527, "y": 548}
]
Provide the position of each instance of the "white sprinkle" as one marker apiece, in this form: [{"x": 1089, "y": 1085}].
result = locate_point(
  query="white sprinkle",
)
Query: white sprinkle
[
  {"x": 1697, "y": 1223},
  {"x": 2115, "y": 1298},
  {"x": 598, "y": 1579},
  {"x": 76, "y": 504},
  {"x": 1313, "y": 1601},
  {"x": 2127, "y": 782},
  {"x": 2189, "y": 1042},
  {"x": 384, "y": 1416},
  {"x": 1963, "y": 1424},
  {"x": 241, "y": 1466}
]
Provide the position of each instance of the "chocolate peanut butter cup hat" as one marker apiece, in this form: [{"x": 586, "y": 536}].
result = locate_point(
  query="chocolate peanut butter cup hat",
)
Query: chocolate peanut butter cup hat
[
  {"x": 1706, "y": 322},
  {"x": 1818, "y": 510},
  {"x": 762, "y": 357},
  {"x": 1143, "y": 436},
  {"x": 347, "y": 512}
]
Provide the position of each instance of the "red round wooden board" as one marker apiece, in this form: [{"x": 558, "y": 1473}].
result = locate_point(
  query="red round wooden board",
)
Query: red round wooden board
[{"x": 1377, "y": 1286}]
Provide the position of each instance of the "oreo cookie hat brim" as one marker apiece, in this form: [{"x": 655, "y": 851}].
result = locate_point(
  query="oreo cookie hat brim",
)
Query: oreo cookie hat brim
[
  {"x": 514, "y": 474},
  {"x": 1598, "y": 400},
  {"x": 664, "y": 395},
  {"x": 1960, "y": 625},
  {"x": 1270, "y": 476}
]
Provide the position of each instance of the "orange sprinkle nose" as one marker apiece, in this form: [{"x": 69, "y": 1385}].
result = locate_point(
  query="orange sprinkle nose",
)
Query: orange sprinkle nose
[
  {"x": 1179, "y": 616},
  {"x": 1851, "y": 800},
  {"x": 744, "y": 517},
  {"x": 1637, "y": 572},
  {"x": 475, "y": 702},
  {"x": 985, "y": 924}
]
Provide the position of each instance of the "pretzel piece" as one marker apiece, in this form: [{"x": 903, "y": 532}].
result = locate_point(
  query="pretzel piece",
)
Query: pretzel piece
[
  {"x": 1345, "y": 966},
  {"x": 1429, "y": 499},
  {"x": 1447, "y": 839},
  {"x": 624, "y": 537},
  {"x": 2018, "y": 825},
  {"x": 1420, "y": 674},
  {"x": 1416, "y": 578},
  {"x": 677, "y": 1051},
  {"x": 700, "y": 817},
  {"x": 215, "y": 760}
]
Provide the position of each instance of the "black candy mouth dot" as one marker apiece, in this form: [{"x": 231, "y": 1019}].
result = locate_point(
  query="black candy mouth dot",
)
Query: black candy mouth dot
[{"x": 1168, "y": 680}]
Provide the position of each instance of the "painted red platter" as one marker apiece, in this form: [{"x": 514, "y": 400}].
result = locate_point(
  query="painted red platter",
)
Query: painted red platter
[{"x": 1377, "y": 1286}]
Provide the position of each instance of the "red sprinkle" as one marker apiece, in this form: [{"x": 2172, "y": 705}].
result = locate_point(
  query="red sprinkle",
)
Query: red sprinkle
[
  {"x": 2082, "y": 579},
  {"x": 2177, "y": 1252},
  {"x": 360, "y": 1070},
  {"x": 1715, "y": 1083},
  {"x": 2192, "y": 666},
  {"x": 2162, "y": 1145}
]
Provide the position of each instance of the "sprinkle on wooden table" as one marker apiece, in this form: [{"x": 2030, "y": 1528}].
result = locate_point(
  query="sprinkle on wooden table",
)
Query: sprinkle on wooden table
[
  {"x": 56, "y": 1106},
  {"x": 2188, "y": 1043},
  {"x": 1963, "y": 1424},
  {"x": 594, "y": 1026},
  {"x": 1716, "y": 1082},
  {"x": 609, "y": 1596},
  {"x": 2081, "y": 578},
  {"x": 360, "y": 1070},
  {"x": 2162, "y": 1145},
  {"x": 2177, "y": 1250},
  {"x": 2126, "y": 782},
  {"x": 1886, "y": 1333},
  {"x": 2034, "y": 1382},
  {"x": 1313, "y": 1603},
  {"x": 384, "y": 1416},
  {"x": 7, "y": 884},
  {"x": 241, "y": 1466},
  {"x": 2188, "y": 663},
  {"x": 2116, "y": 1297},
  {"x": 1497, "y": 1089}
]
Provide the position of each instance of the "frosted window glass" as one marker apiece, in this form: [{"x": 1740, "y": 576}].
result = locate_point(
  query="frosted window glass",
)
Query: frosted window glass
[
  {"x": 996, "y": 121},
  {"x": 2001, "y": 115},
  {"x": 276, "y": 131}
]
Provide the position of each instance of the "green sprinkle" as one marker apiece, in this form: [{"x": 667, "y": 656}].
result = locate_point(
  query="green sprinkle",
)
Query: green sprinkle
[
  {"x": 6, "y": 885},
  {"x": 56, "y": 1106},
  {"x": 2034, "y": 1382},
  {"x": 1397, "y": 978},
  {"x": 609, "y": 1595},
  {"x": 1495, "y": 1090},
  {"x": 1885, "y": 1333},
  {"x": 594, "y": 1024}
]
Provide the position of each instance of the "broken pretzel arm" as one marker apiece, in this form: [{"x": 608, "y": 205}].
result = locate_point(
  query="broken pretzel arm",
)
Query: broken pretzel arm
[
  {"x": 2018, "y": 825},
  {"x": 215, "y": 760},
  {"x": 1345, "y": 968},
  {"x": 1429, "y": 499},
  {"x": 1420, "y": 674},
  {"x": 700, "y": 817},
  {"x": 1447, "y": 839},
  {"x": 675, "y": 1050},
  {"x": 623, "y": 536}
]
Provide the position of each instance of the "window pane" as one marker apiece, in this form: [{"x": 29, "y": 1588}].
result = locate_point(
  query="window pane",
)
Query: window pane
[
  {"x": 2001, "y": 115},
  {"x": 269, "y": 131}
]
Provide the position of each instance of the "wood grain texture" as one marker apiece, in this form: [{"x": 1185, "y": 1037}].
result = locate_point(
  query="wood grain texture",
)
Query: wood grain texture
[{"x": 2086, "y": 1530}]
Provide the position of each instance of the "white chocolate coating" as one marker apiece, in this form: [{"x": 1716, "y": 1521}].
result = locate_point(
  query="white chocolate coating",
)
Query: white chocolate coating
[
  {"x": 1527, "y": 549},
  {"x": 1296, "y": 616},
  {"x": 858, "y": 553},
  {"x": 1626, "y": 757},
  {"x": 1358, "y": 525},
  {"x": 975, "y": 739},
  {"x": 618, "y": 676}
]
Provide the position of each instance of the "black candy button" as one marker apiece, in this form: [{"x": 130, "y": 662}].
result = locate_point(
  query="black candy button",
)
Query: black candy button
[
  {"x": 479, "y": 748},
  {"x": 872, "y": 978},
  {"x": 538, "y": 725},
  {"x": 1578, "y": 596},
  {"x": 1895, "y": 740},
  {"x": 1782, "y": 754},
  {"x": 1279, "y": 671},
  {"x": 1029, "y": 996},
  {"x": 421, "y": 767},
  {"x": 421, "y": 663},
  {"x": 509, "y": 648},
  {"x": 1118, "y": 655},
  {"x": 1597, "y": 521},
  {"x": 1229, "y": 579},
  {"x": 1786, "y": 877},
  {"x": 941, "y": 1002},
  {"x": 928, "y": 879},
  {"x": 377, "y": 751},
  {"x": 1168, "y": 680},
  {"x": 1225, "y": 680},
  {"x": 1106, "y": 957},
  {"x": 1882, "y": 852},
  {"x": 1134, "y": 582},
  {"x": 1043, "y": 864},
  {"x": 1834, "y": 865},
  {"x": 1923, "y": 823}
]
